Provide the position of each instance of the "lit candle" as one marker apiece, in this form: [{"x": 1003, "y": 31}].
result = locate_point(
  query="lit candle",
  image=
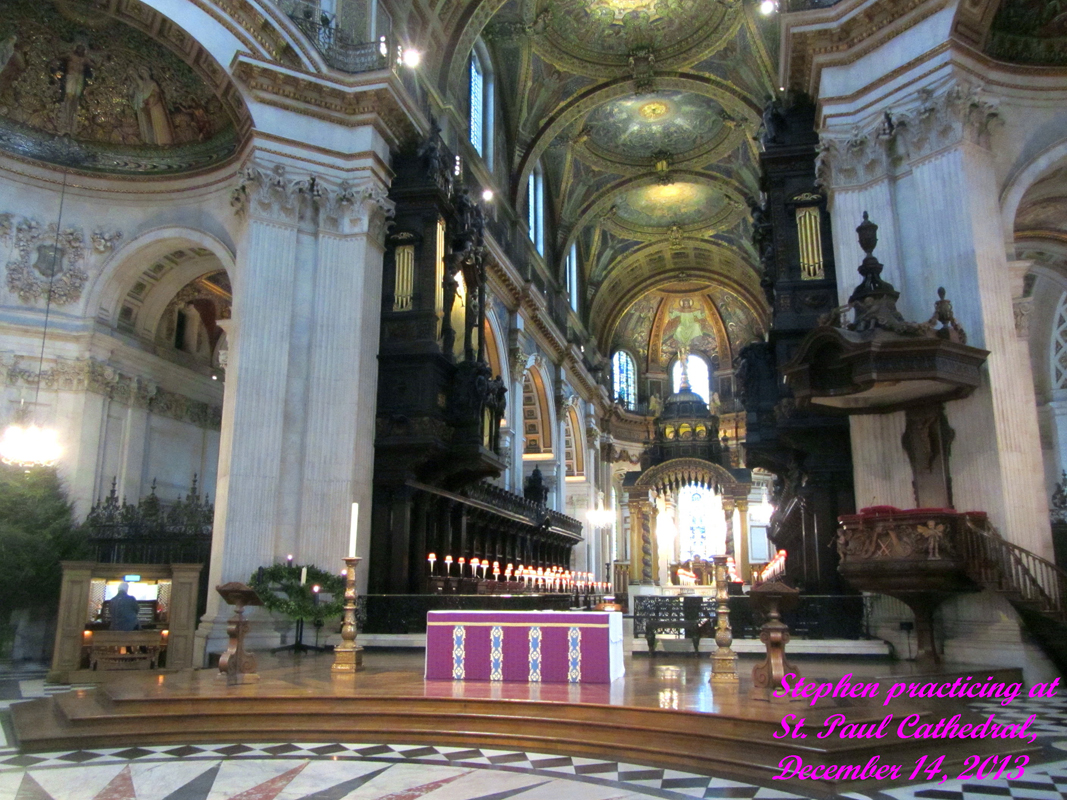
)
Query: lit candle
[
  {"x": 496, "y": 570},
  {"x": 289, "y": 560},
  {"x": 315, "y": 594},
  {"x": 461, "y": 561},
  {"x": 303, "y": 575},
  {"x": 448, "y": 566},
  {"x": 352, "y": 531},
  {"x": 474, "y": 567},
  {"x": 432, "y": 558}
]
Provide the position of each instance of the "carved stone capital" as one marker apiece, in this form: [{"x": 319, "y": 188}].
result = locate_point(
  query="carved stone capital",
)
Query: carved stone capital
[
  {"x": 267, "y": 191},
  {"x": 358, "y": 208},
  {"x": 930, "y": 123}
]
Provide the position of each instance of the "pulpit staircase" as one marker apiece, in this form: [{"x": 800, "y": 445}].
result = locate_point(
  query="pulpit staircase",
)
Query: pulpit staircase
[{"x": 1035, "y": 587}]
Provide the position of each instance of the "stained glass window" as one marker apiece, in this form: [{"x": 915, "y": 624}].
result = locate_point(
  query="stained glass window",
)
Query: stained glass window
[{"x": 624, "y": 379}]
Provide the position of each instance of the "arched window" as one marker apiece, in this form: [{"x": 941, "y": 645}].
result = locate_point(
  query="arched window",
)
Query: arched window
[
  {"x": 572, "y": 276},
  {"x": 535, "y": 208},
  {"x": 700, "y": 522},
  {"x": 481, "y": 100},
  {"x": 699, "y": 376},
  {"x": 624, "y": 379},
  {"x": 1058, "y": 346}
]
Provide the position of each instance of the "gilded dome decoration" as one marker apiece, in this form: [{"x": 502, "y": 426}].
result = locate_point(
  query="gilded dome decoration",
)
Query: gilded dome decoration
[
  {"x": 82, "y": 90},
  {"x": 1030, "y": 32},
  {"x": 599, "y": 37}
]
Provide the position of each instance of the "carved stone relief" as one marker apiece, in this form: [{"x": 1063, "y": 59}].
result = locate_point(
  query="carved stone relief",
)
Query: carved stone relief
[
  {"x": 47, "y": 262},
  {"x": 345, "y": 207},
  {"x": 936, "y": 122},
  {"x": 96, "y": 376}
]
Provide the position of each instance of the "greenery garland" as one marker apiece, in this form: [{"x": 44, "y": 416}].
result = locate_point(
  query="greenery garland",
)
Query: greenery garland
[{"x": 279, "y": 588}]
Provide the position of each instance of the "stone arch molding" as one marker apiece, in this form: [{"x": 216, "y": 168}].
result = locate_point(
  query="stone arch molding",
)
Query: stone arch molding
[
  {"x": 127, "y": 264},
  {"x": 1022, "y": 180},
  {"x": 224, "y": 28},
  {"x": 671, "y": 476}
]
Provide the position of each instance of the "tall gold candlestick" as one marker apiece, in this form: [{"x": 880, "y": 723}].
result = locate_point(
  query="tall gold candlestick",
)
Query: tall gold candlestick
[{"x": 348, "y": 656}]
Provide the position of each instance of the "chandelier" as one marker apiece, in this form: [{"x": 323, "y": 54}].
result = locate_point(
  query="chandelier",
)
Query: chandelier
[{"x": 24, "y": 442}]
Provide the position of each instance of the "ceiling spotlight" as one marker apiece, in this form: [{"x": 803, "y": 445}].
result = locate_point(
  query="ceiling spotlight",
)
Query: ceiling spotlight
[
  {"x": 487, "y": 195},
  {"x": 768, "y": 7},
  {"x": 412, "y": 58}
]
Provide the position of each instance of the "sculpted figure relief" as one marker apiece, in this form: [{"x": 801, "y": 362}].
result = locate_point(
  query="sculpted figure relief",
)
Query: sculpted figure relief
[
  {"x": 73, "y": 72},
  {"x": 153, "y": 118}
]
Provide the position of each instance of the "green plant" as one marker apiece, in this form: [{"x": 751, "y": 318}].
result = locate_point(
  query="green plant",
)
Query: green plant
[
  {"x": 37, "y": 531},
  {"x": 279, "y": 588}
]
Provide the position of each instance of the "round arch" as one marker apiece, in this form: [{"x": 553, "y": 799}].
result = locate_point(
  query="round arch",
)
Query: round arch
[
  {"x": 494, "y": 351},
  {"x": 575, "y": 446},
  {"x": 599, "y": 205},
  {"x": 126, "y": 265},
  {"x": 542, "y": 421},
  {"x": 262, "y": 30},
  {"x": 1015, "y": 189},
  {"x": 634, "y": 276},
  {"x": 671, "y": 476}
]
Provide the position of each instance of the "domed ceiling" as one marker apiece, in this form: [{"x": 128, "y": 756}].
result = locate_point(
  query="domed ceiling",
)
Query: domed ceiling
[
  {"x": 82, "y": 90},
  {"x": 1030, "y": 32},
  {"x": 642, "y": 117},
  {"x": 593, "y": 36},
  {"x": 637, "y": 130}
]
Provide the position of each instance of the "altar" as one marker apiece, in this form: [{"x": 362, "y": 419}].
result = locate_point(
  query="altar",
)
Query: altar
[{"x": 526, "y": 646}]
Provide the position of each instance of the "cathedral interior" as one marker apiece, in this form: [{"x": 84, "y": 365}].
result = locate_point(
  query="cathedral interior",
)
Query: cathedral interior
[{"x": 684, "y": 309}]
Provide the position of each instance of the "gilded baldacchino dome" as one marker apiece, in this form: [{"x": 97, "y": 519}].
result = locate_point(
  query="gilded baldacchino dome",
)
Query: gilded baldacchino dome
[
  {"x": 686, "y": 428},
  {"x": 80, "y": 89}
]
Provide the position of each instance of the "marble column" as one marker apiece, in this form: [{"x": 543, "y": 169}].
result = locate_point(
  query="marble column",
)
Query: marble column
[
  {"x": 296, "y": 447},
  {"x": 926, "y": 175},
  {"x": 742, "y": 544}
]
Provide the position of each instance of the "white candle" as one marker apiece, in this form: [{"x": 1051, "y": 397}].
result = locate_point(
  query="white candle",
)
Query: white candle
[
  {"x": 352, "y": 531},
  {"x": 303, "y": 575}
]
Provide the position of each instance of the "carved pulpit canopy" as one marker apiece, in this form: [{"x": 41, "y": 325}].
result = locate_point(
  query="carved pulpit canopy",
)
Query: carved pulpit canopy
[{"x": 880, "y": 362}]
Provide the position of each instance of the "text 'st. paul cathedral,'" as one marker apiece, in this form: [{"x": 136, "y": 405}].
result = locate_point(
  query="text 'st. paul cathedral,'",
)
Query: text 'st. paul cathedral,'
[{"x": 596, "y": 288}]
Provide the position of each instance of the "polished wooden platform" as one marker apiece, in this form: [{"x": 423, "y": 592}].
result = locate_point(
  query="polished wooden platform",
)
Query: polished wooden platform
[{"x": 663, "y": 713}]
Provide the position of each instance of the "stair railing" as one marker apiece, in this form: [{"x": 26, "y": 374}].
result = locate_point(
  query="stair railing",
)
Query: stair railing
[{"x": 1012, "y": 570}]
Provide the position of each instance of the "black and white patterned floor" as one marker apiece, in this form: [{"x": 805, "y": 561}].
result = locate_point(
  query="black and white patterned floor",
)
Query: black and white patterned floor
[{"x": 354, "y": 771}]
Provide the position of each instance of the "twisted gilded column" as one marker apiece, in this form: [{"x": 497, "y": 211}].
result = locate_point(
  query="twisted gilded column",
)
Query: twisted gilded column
[
  {"x": 641, "y": 512},
  {"x": 728, "y": 506}
]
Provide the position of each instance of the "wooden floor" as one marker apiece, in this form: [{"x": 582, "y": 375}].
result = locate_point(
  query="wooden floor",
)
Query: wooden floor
[{"x": 663, "y": 713}]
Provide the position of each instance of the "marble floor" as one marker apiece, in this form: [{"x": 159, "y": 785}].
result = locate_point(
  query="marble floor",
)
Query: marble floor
[{"x": 363, "y": 771}]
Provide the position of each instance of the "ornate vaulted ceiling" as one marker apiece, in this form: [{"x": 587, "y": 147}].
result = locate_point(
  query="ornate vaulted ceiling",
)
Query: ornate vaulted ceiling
[
  {"x": 1030, "y": 32},
  {"x": 642, "y": 115},
  {"x": 80, "y": 89}
]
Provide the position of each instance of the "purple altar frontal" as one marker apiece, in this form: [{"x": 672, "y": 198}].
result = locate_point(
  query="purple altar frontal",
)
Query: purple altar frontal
[{"x": 524, "y": 646}]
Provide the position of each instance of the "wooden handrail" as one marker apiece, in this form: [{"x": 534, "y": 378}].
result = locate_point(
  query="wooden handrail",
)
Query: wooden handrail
[{"x": 1005, "y": 567}]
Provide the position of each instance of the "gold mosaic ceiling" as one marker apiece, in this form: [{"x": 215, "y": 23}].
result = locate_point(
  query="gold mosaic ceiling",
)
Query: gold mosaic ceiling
[
  {"x": 642, "y": 115},
  {"x": 80, "y": 89}
]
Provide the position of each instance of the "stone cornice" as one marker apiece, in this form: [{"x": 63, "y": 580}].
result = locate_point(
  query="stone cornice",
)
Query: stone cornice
[
  {"x": 929, "y": 124},
  {"x": 841, "y": 34},
  {"x": 98, "y": 377},
  {"x": 370, "y": 98}
]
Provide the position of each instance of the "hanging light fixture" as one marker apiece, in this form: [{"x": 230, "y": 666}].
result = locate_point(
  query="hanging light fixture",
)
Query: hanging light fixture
[{"x": 25, "y": 443}]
